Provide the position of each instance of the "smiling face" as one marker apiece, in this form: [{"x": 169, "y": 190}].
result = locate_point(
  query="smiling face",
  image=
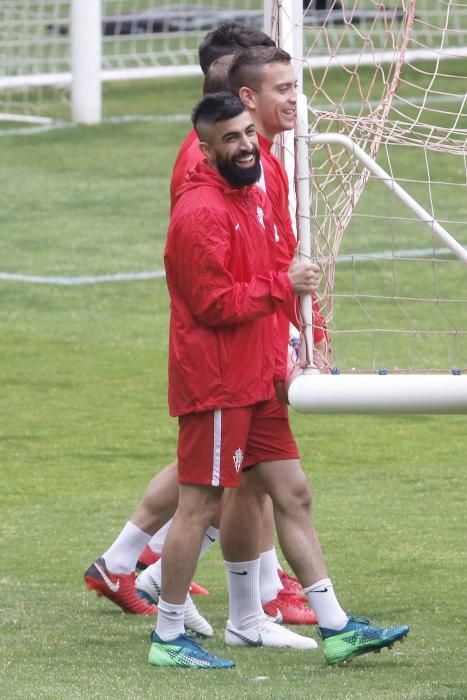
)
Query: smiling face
[
  {"x": 273, "y": 104},
  {"x": 231, "y": 147}
]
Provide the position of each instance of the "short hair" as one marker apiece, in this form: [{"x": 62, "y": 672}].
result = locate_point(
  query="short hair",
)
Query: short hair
[
  {"x": 228, "y": 38},
  {"x": 217, "y": 107},
  {"x": 247, "y": 66},
  {"x": 217, "y": 76}
]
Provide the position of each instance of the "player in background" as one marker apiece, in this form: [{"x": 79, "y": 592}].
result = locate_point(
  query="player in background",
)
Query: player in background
[
  {"x": 219, "y": 47},
  {"x": 227, "y": 39},
  {"x": 265, "y": 81}
]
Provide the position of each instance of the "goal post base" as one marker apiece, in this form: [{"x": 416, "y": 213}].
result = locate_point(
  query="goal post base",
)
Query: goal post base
[{"x": 379, "y": 393}]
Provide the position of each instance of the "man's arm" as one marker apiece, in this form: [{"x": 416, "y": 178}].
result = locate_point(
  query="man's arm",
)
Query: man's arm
[{"x": 210, "y": 290}]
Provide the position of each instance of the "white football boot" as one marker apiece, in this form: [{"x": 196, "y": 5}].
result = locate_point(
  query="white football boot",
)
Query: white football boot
[{"x": 265, "y": 633}]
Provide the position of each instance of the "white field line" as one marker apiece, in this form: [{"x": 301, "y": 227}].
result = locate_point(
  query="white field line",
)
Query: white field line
[
  {"x": 124, "y": 119},
  {"x": 160, "y": 274},
  {"x": 78, "y": 281}
]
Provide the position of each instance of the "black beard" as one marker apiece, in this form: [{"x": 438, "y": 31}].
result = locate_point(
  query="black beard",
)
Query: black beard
[{"x": 236, "y": 176}]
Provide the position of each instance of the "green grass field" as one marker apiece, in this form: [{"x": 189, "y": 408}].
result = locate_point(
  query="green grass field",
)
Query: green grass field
[{"x": 84, "y": 425}]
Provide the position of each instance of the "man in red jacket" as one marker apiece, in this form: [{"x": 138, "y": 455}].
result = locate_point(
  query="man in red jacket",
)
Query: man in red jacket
[{"x": 225, "y": 291}]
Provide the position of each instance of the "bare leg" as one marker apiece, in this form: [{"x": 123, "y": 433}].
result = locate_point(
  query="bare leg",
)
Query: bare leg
[
  {"x": 269, "y": 526},
  {"x": 159, "y": 501},
  {"x": 197, "y": 506},
  {"x": 242, "y": 520},
  {"x": 286, "y": 483}
]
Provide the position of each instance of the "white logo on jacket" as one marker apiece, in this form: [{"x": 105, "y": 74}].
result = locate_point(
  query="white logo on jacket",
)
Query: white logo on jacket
[
  {"x": 260, "y": 215},
  {"x": 238, "y": 459}
]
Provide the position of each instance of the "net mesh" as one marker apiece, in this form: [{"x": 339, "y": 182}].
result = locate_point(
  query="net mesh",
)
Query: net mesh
[
  {"x": 391, "y": 76},
  {"x": 137, "y": 35},
  {"x": 30, "y": 48},
  {"x": 148, "y": 33}
]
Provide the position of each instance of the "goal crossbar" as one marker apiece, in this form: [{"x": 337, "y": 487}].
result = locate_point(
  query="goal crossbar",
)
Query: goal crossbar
[{"x": 312, "y": 392}]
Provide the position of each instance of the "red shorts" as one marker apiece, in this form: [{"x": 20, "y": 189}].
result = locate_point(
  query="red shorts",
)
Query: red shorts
[{"x": 215, "y": 446}]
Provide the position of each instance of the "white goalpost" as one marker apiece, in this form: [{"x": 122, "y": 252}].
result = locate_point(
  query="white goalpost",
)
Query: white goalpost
[{"x": 343, "y": 197}]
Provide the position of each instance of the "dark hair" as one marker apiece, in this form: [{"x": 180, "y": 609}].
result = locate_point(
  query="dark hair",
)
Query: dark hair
[
  {"x": 247, "y": 66},
  {"x": 217, "y": 76},
  {"x": 228, "y": 38},
  {"x": 218, "y": 107}
]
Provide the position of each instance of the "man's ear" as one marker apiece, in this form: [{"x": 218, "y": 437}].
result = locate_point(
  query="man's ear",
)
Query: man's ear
[
  {"x": 248, "y": 97},
  {"x": 207, "y": 151}
]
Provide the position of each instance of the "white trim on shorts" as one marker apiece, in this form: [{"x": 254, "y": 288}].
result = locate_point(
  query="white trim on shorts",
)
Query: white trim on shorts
[{"x": 217, "y": 444}]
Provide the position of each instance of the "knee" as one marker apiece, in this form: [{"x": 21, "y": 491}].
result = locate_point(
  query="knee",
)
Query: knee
[
  {"x": 250, "y": 494},
  {"x": 295, "y": 496},
  {"x": 200, "y": 507},
  {"x": 212, "y": 511},
  {"x": 302, "y": 495}
]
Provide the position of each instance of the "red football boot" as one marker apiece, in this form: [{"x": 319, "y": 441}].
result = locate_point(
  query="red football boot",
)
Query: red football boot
[
  {"x": 146, "y": 558},
  {"x": 292, "y": 609},
  {"x": 196, "y": 589},
  {"x": 292, "y": 585},
  {"x": 119, "y": 588}
]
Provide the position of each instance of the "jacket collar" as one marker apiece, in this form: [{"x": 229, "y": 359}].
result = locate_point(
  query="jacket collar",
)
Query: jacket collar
[{"x": 265, "y": 144}]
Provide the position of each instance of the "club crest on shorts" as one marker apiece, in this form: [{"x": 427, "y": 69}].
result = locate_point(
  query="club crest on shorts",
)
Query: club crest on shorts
[{"x": 238, "y": 459}]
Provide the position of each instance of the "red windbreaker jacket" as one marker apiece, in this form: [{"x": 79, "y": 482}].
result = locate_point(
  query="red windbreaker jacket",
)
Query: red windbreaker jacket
[
  {"x": 224, "y": 292},
  {"x": 277, "y": 190}
]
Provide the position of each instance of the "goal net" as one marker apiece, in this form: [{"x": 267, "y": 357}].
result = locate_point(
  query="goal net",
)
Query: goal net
[
  {"x": 391, "y": 77},
  {"x": 34, "y": 62},
  {"x": 149, "y": 39},
  {"x": 140, "y": 39}
]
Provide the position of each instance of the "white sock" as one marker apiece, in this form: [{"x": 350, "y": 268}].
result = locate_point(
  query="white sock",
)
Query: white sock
[
  {"x": 122, "y": 555},
  {"x": 170, "y": 619},
  {"x": 269, "y": 581},
  {"x": 211, "y": 536},
  {"x": 157, "y": 541},
  {"x": 244, "y": 599},
  {"x": 323, "y": 600}
]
